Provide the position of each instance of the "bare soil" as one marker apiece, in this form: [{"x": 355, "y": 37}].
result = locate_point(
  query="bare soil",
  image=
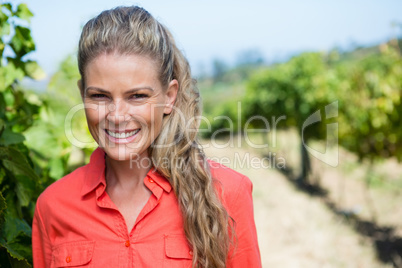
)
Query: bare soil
[{"x": 295, "y": 229}]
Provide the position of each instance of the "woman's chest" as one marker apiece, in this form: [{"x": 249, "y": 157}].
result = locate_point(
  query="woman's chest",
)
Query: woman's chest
[
  {"x": 101, "y": 239},
  {"x": 166, "y": 251}
]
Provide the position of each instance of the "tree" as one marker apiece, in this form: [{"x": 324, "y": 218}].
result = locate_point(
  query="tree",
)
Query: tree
[
  {"x": 21, "y": 180},
  {"x": 219, "y": 68},
  {"x": 250, "y": 57},
  {"x": 373, "y": 90},
  {"x": 368, "y": 90},
  {"x": 295, "y": 89}
]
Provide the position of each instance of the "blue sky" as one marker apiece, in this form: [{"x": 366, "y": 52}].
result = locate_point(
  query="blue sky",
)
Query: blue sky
[{"x": 221, "y": 29}]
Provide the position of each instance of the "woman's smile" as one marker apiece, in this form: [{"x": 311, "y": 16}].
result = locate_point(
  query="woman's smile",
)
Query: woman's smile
[{"x": 125, "y": 136}]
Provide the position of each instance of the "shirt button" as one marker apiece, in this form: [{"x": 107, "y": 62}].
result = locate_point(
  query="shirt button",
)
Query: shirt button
[
  {"x": 150, "y": 180},
  {"x": 68, "y": 259},
  {"x": 190, "y": 252},
  {"x": 127, "y": 244}
]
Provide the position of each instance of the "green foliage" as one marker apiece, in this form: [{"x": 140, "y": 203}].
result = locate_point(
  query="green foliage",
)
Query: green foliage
[
  {"x": 57, "y": 118},
  {"x": 21, "y": 180},
  {"x": 221, "y": 97},
  {"x": 366, "y": 83},
  {"x": 220, "y": 106},
  {"x": 368, "y": 90},
  {"x": 372, "y": 91},
  {"x": 31, "y": 124},
  {"x": 295, "y": 89}
]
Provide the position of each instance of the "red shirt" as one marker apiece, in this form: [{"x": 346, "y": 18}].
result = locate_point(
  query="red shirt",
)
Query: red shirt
[{"x": 76, "y": 223}]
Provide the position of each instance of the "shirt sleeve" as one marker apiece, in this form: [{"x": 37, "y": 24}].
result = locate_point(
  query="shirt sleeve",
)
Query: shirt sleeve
[
  {"x": 246, "y": 252},
  {"x": 41, "y": 247}
]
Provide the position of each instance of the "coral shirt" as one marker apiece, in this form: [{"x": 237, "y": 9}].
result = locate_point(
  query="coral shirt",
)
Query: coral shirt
[{"x": 77, "y": 224}]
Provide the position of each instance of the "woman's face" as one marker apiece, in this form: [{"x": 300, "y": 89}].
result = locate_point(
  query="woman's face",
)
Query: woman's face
[{"x": 125, "y": 103}]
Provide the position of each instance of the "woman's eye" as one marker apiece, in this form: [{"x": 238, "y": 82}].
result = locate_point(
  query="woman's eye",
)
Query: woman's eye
[
  {"x": 139, "y": 96},
  {"x": 98, "y": 96}
]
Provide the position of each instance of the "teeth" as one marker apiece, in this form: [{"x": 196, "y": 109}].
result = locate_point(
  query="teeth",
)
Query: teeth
[{"x": 123, "y": 135}]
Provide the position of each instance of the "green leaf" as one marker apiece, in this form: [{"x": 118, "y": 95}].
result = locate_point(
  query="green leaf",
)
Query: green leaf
[
  {"x": 19, "y": 263},
  {"x": 56, "y": 168},
  {"x": 42, "y": 138},
  {"x": 2, "y": 108},
  {"x": 9, "y": 137},
  {"x": 2, "y": 46},
  {"x": 13, "y": 252},
  {"x": 7, "y": 6},
  {"x": 2, "y": 125},
  {"x": 18, "y": 168},
  {"x": 3, "y": 204},
  {"x": 5, "y": 29},
  {"x": 4, "y": 16},
  {"x": 14, "y": 227},
  {"x": 16, "y": 163},
  {"x": 22, "y": 42},
  {"x": 23, "y": 12},
  {"x": 19, "y": 249},
  {"x": 8, "y": 97},
  {"x": 15, "y": 233},
  {"x": 24, "y": 189},
  {"x": 2, "y": 176},
  {"x": 13, "y": 208},
  {"x": 9, "y": 74},
  {"x": 33, "y": 70},
  {"x": 12, "y": 154}
]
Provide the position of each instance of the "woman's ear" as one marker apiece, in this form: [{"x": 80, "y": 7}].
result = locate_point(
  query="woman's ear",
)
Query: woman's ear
[
  {"x": 171, "y": 94},
  {"x": 81, "y": 88}
]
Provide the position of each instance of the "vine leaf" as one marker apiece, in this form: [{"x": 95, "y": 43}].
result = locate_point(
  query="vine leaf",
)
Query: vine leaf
[
  {"x": 23, "y": 12},
  {"x": 33, "y": 70},
  {"x": 16, "y": 163},
  {"x": 9, "y": 137},
  {"x": 22, "y": 42},
  {"x": 3, "y": 204}
]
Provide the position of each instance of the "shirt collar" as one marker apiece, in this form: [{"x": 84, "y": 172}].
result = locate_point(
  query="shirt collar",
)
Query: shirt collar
[
  {"x": 159, "y": 179},
  {"x": 95, "y": 174}
]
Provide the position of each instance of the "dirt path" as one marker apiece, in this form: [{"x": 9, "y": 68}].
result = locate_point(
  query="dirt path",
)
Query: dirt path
[{"x": 295, "y": 230}]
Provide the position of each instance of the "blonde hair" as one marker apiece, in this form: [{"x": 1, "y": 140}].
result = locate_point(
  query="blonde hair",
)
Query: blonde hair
[{"x": 132, "y": 30}]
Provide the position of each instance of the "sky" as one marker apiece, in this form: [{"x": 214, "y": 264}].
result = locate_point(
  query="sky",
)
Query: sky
[{"x": 221, "y": 29}]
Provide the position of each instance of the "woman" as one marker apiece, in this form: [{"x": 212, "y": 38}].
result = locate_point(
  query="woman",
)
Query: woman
[{"x": 148, "y": 197}]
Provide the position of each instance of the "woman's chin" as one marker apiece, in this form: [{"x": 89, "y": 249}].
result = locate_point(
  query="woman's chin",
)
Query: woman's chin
[{"x": 123, "y": 153}]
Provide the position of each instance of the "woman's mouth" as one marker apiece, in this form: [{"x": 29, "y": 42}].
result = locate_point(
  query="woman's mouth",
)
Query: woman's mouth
[{"x": 122, "y": 136}]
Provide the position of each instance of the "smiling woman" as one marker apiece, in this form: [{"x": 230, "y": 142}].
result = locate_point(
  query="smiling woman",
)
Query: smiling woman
[{"x": 142, "y": 108}]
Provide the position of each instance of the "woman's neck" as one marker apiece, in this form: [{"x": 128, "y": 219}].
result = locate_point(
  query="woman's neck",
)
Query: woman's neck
[{"x": 128, "y": 175}]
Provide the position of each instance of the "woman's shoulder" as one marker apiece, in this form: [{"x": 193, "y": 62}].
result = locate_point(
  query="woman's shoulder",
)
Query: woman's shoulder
[
  {"x": 66, "y": 187},
  {"x": 231, "y": 183},
  {"x": 227, "y": 175},
  {"x": 82, "y": 178}
]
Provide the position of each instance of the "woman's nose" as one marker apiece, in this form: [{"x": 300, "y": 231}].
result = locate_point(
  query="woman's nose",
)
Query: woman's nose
[{"x": 117, "y": 112}]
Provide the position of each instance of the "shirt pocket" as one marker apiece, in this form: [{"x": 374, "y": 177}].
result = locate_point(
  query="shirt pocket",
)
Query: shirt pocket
[
  {"x": 177, "y": 252},
  {"x": 73, "y": 254}
]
